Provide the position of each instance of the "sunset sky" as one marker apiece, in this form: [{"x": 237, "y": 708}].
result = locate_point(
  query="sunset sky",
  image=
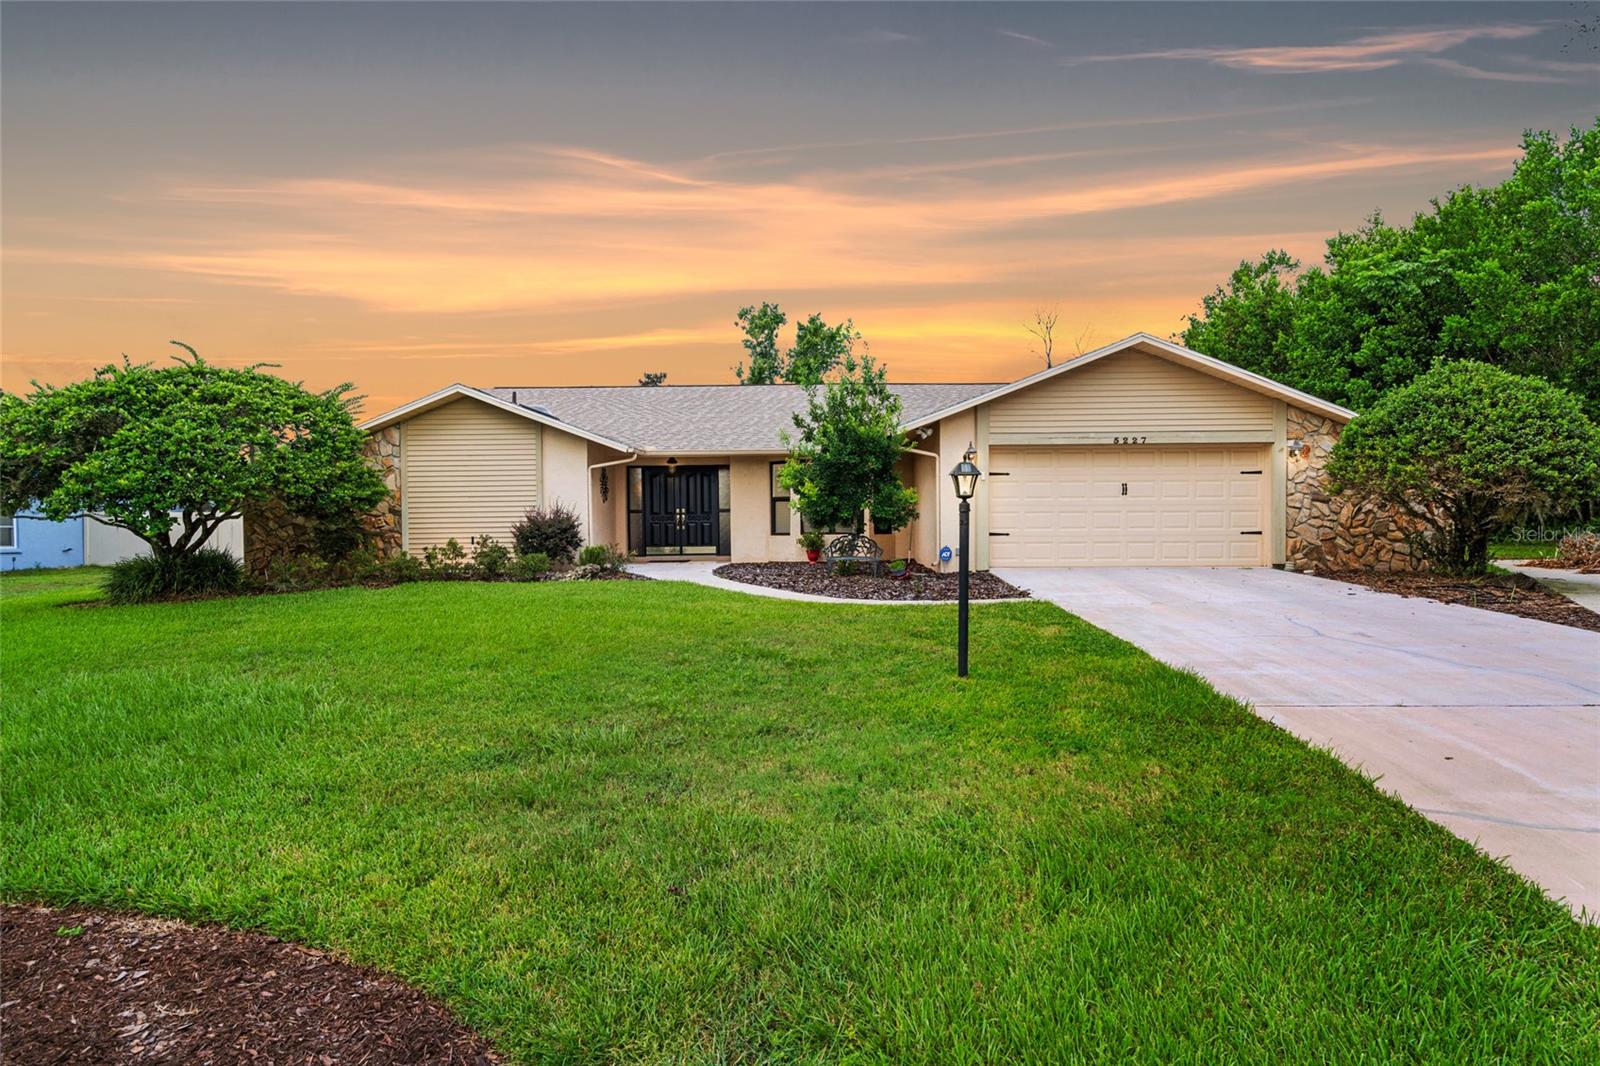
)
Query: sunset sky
[{"x": 407, "y": 195}]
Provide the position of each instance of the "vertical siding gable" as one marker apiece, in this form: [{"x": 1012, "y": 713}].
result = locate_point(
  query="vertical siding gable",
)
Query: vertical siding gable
[
  {"x": 1132, "y": 392},
  {"x": 468, "y": 469}
]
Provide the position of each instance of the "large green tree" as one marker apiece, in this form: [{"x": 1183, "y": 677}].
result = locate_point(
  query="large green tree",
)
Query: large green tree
[
  {"x": 1466, "y": 446},
  {"x": 844, "y": 458},
  {"x": 817, "y": 349},
  {"x": 1507, "y": 275},
  {"x": 134, "y": 443},
  {"x": 760, "y": 326},
  {"x": 1251, "y": 317}
]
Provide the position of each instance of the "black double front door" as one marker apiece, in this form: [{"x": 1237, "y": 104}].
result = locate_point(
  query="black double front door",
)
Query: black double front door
[{"x": 681, "y": 513}]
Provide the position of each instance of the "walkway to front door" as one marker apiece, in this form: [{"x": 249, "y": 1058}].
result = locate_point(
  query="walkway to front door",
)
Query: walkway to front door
[{"x": 681, "y": 510}]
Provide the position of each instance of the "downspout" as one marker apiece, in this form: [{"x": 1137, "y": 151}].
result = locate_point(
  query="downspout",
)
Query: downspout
[{"x": 589, "y": 485}]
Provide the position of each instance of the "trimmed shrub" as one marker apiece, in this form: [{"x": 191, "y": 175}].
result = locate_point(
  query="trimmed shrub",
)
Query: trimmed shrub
[
  {"x": 552, "y": 530},
  {"x": 402, "y": 568},
  {"x": 530, "y": 567},
  {"x": 209, "y": 571},
  {"x": 491, "y": 558},
  {"x": 443, "y": 563},
  {"x": 605, "y": 556},
  {"x": 337, "y": 536},
  {"x": 1465, "y": 447},
  {"x": 299, "y": 573}
]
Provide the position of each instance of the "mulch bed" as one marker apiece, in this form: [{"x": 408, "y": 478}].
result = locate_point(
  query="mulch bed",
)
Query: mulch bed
[
  {"x": 1559, "y": 564},
  {"x": 1516, "y": 594},
  {"x": 84, "y": 986},
  {"x": 922, "y": 584}
]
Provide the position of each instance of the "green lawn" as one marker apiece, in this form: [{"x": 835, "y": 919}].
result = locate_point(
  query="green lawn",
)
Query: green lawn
[
  {"x": 1523, "y": 549},
  {"x": 632, "y": 821}
]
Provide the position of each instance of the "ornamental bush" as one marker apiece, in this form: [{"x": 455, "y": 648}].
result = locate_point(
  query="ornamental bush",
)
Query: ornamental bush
[
  {"x": 607, "y": 557},
  {"x": 142, "y": 448},
  {"x": 1463, "y": 448},
  {"x": 530, "y": 567},
  {"x": 491, "y": 558},
  {"x": 143, "y": 578},
  {"x": 552, "y": 530}
]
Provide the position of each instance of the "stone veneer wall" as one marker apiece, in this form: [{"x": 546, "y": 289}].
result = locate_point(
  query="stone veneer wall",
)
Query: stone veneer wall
[
  {"x": 1328, "y": 532},
  {"x": 383, "y": 521},
  {"x": 272, "y": 532}
]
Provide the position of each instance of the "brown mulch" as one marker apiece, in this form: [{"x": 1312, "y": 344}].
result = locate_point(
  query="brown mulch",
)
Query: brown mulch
[
  {"x": 921, "y": 584},
  {"x": 85, "y": 986},
  {"x": 1559, "y": 564},
  {"x": 1516, "y": 594}
]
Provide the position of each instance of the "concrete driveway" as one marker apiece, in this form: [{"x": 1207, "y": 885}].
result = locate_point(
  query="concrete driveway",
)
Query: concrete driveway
[{"x": 1487, "y": 723}]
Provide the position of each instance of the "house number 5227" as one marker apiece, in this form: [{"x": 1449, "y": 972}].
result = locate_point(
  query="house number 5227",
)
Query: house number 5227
[{"x": 1129, "y": 440}]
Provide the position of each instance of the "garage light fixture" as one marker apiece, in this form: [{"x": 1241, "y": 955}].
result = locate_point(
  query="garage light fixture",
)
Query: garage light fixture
[{"x": 966, "y": 474}]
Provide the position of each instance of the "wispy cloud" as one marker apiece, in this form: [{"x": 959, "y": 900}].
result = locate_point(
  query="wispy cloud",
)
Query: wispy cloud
[
  {"x": 592, "y": 230},
  {"x": 1077, "y": 125},
  {"x": 1025, "y": 38},
  {"x": 1532, "y": 77},
  {"x": 1373, "y": 52},
  {"x": 882, "y": 37}
]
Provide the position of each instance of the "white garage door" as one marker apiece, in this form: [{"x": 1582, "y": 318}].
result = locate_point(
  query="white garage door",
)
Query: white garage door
[{"x": 1142, "y": 506}]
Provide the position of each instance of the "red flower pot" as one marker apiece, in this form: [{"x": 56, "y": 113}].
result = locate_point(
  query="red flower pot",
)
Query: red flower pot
[{"x": 812, "y": 555}]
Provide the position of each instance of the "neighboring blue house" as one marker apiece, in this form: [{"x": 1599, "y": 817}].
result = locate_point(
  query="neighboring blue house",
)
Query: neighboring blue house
[{"x": 28, "y": 542}]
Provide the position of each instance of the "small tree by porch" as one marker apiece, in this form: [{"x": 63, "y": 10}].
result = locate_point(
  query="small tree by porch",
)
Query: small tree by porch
[{"x": 843, "y": 459}]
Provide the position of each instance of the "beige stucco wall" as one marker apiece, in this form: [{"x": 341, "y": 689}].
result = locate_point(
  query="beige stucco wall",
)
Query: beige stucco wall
[
  {"x": 955, "y": 434},
  {"x": 748, "y": 495},
  {"x": 607, "y": 517},
  {"x": 468, "y": 469},
  {"x": 564, "y": 466},
  {"x": 924, "y": 540}
]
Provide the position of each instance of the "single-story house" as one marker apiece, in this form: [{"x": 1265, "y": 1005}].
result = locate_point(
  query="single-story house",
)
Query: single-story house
[
  {"x": 1140, "y": 453},
  {"x": 30, "y": 541}
]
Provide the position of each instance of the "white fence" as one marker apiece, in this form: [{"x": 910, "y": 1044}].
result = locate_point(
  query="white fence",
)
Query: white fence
[{"x": 104, "y": 545}]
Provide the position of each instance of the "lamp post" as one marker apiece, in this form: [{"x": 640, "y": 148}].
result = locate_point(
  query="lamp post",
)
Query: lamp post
[{"x": 965, "y": 475}]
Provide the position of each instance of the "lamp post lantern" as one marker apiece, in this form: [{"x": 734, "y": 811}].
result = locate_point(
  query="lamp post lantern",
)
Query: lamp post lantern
[{"x": 965, "y": 475}]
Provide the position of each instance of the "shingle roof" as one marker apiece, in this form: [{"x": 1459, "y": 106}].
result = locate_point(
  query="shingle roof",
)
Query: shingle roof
[{"x": 705, "y": 418}]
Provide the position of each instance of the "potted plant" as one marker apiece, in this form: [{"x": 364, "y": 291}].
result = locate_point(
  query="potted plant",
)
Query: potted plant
[
  {"x": 811, "y": 541},
  {"x": 898, "y": 569}
]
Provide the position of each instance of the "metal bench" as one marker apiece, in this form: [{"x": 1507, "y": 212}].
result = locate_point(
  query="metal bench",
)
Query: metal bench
[{"x": 853, "y": 548}]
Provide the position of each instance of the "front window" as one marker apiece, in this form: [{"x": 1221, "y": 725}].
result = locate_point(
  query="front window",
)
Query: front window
[
  {"x": 8, "y": 530},
  {"x": 781, "y": 511}
]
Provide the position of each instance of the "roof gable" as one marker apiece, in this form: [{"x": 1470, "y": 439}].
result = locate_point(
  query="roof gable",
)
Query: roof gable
[
  {"x": 749, "y": 419},
  {"x": 452, "y": 393},
  {"x": 1163, "y": 349}
]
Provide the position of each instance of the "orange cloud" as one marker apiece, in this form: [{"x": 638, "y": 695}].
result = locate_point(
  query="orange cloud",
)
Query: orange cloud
[
  {"x": 586, "y": 229},
  {"x": 1364, "y": 53}
]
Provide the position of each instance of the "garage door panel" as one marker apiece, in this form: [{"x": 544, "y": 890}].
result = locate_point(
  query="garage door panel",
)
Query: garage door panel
[{"x": 1144, "y": 506}]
